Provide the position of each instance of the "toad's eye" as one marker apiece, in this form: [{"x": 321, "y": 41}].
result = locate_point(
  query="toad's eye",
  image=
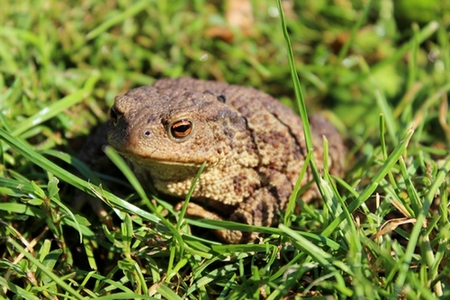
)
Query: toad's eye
[
  {"x": 114, "y": 115},
  {"x": 181, "y": 129}
]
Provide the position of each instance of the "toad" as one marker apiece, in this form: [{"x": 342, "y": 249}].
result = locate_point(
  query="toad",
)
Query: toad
[{"x": 253, "y": 147}]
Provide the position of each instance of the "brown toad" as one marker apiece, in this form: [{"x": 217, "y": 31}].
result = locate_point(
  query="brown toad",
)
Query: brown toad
[{"x": 253, "y": 146}]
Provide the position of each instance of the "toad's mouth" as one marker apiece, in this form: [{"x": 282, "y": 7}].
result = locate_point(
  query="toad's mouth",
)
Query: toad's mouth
[
  {"x": 163, "y": 170},
  {"x": 151, "y": 161}
]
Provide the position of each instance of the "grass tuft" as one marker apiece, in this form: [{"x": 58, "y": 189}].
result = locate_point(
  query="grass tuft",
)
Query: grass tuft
[{"x": 376, "y": 69}]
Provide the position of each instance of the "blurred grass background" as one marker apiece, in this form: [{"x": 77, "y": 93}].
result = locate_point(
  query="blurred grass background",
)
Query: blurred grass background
[
  {"x": 63, "y": 62},
  {"x": 54, "y": 47}
]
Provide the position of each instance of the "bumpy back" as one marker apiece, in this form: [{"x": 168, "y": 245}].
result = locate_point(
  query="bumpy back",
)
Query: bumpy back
[{"x": 276, "y": 129}]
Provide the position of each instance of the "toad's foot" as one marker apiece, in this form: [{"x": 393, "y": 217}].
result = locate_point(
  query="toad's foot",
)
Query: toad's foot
[
  {"x": 258, "y": 210},
  {"x": 226, "y": 235}
]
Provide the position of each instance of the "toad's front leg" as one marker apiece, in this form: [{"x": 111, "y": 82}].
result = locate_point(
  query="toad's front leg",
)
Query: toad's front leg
[{"x": 259, "y": 210}]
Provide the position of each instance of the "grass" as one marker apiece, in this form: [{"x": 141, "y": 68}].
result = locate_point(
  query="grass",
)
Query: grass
[{"x": 381, "y": 232}]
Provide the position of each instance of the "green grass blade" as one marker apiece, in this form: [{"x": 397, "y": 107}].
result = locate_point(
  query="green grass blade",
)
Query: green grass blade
[
  {"x": 20, "y": 292},
  {"x": 66, "y": 176},
  {"x": 375, "y": 181},
  {"x": 299, "y": 97},
  {"x": 130, "y": 12},
  {"x": 56, "y": 108},
  {"x": 44, "y": 270},
  {"x": 413, "y": 240}
]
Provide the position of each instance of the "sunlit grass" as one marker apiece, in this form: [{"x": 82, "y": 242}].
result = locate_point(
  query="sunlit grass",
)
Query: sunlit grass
[{"x": 382, "y": 232}]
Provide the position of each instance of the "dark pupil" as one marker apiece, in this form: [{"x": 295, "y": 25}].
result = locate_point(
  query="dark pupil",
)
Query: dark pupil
[{"x": 181, "y": 129}]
